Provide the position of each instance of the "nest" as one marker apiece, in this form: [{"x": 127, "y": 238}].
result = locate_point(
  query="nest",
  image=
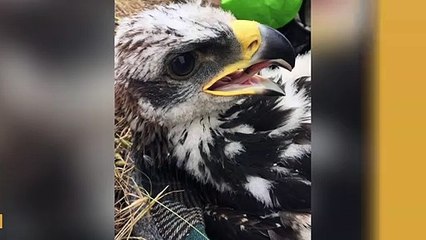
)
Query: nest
[
  {"x": 129, "y": 199},
  {"x": 125, "y": 8},
  {"x": 132, "y": 202}
]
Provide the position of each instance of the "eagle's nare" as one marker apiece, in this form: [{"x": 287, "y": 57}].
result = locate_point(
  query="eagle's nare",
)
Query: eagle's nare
[{"x": 208, "y": 122}]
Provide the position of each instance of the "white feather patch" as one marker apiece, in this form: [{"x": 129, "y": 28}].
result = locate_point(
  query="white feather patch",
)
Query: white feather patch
[
  {"x": 232, "y": 149},
  {"x": 296, "y": 150},
  {"x": 259, "y": 188},
  {"x": 294, "y": 99},
  {"x": 198, "y": 132}
]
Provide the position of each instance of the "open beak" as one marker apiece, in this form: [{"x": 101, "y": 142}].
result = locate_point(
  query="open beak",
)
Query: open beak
[{"x": 261, "y": 47}]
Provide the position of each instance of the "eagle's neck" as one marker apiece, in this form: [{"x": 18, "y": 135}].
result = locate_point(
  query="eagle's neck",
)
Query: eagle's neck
[
  {"x": 186, "y": 146},
  {"x": 159, "y": 142},
  {"x": 194, "y": 144}
]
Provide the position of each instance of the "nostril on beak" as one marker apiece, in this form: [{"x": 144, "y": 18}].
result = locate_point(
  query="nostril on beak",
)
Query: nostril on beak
[{"x": 253, "y": 45}]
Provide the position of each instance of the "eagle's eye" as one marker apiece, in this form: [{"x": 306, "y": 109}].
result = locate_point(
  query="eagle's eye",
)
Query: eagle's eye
[{"x": 183, "y": 64}]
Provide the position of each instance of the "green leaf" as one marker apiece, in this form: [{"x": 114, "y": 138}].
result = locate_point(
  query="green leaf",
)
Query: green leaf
[{"x": 275, "y": 13}]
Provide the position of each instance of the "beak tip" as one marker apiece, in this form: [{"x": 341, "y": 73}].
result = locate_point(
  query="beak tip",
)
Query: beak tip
[{"x": 276, "y": 46}]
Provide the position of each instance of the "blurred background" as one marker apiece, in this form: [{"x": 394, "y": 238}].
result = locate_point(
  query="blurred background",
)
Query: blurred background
[
  {"x": 57, "y": 118},
  {"x": 56, "y": 134},
  {"x": 343, "y": 35}
]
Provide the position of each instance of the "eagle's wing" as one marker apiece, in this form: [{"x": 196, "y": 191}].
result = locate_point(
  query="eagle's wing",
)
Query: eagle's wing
[
  {"x": 290, "y": 219},
  {"x": 224, "y": 223}
]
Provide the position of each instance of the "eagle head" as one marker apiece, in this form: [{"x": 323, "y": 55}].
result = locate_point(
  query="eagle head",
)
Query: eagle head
[{"x": 182, "y": 61}]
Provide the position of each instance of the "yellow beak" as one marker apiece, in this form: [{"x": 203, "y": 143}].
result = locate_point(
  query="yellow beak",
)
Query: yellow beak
[{"x": 259, "y": 43}]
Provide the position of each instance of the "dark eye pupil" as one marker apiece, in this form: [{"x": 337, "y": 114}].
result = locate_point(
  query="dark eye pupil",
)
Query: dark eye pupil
[{"x": 183, "y": 64}]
